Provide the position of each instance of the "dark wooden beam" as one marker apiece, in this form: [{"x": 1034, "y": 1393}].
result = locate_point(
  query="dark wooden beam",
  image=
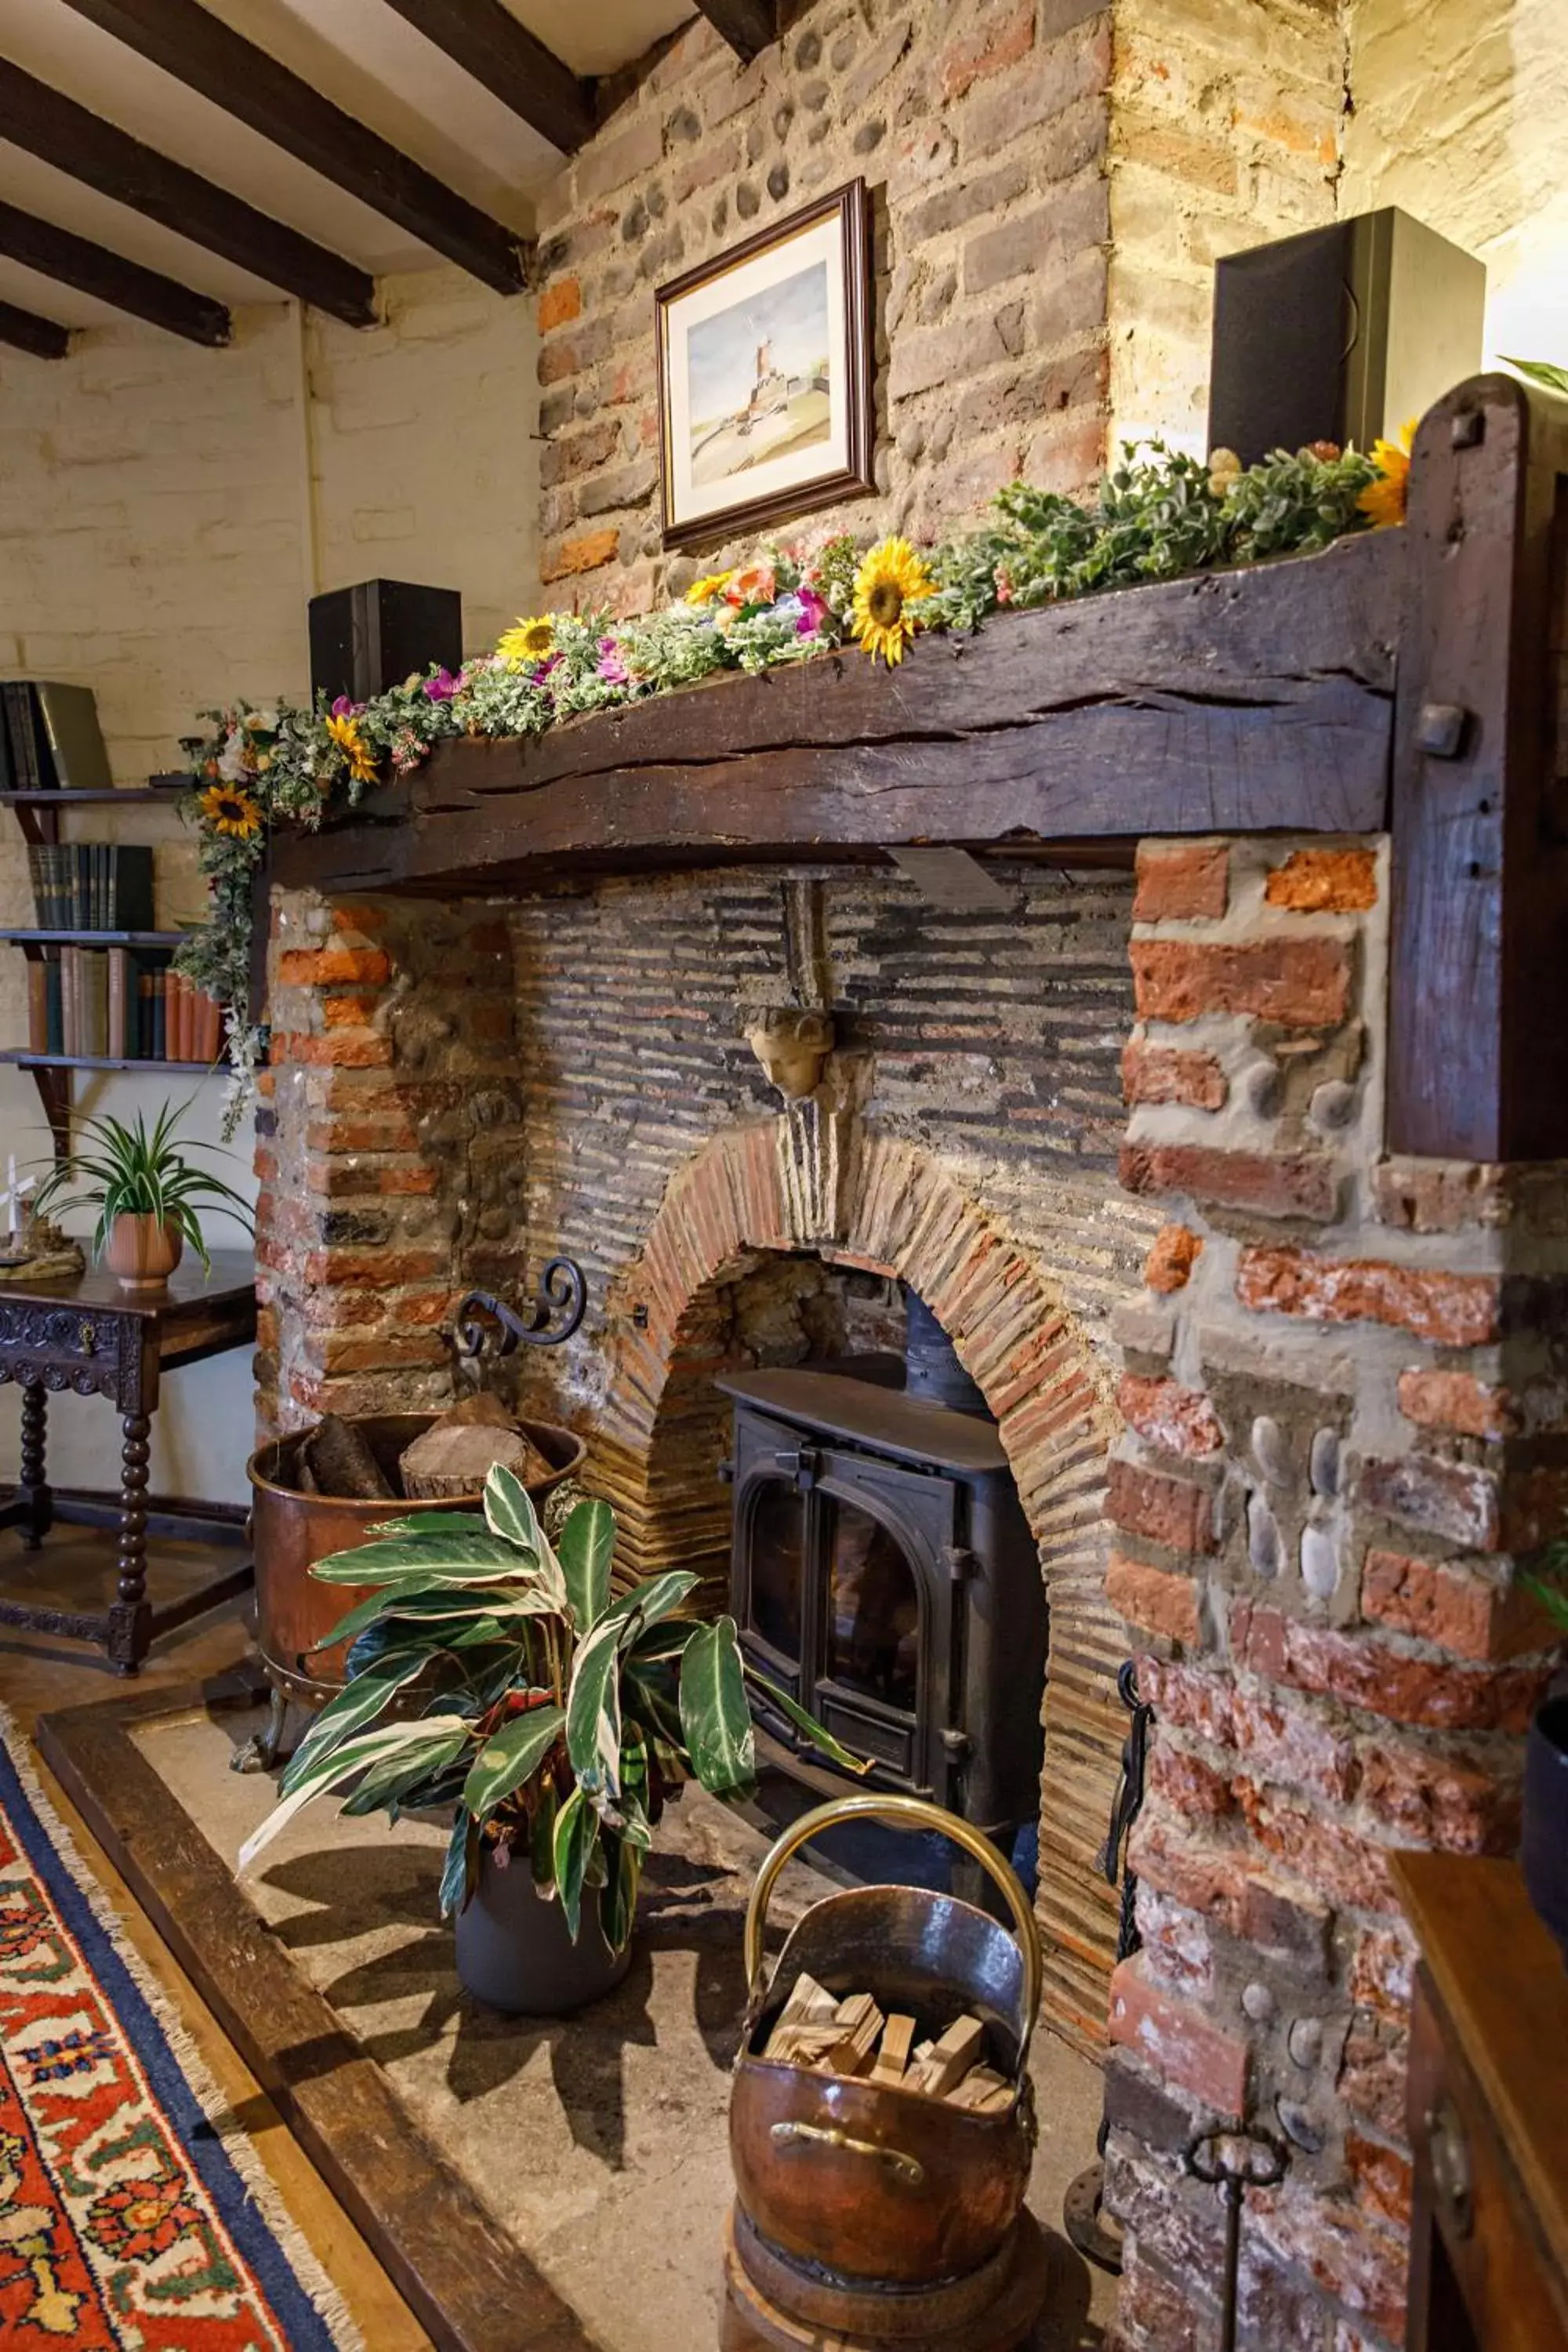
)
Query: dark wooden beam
[
  {"x": 202, "y": 52},
  {"x": 488, "y": 42},
  {"x": 749, "y": 26},
  {"x": 93, "y": 270},
  {"x": 28, "y": 332},
  {"x": 1244, "y": 701},
  {"x": 1479, "y": 1044},
  {"x": 54, "y": 127}
]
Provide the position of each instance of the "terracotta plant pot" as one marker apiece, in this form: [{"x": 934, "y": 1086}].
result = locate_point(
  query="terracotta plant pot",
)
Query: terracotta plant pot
[
  {"x": 515, "y": 1953},
  {"x": 142, "y": 1253}
]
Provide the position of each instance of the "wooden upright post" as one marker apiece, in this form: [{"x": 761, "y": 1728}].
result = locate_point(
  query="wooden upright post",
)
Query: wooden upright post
[{"x": 1478, "y": 969}]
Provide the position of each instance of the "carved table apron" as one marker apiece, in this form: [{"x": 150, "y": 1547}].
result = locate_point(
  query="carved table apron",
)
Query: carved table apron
[{"x": 85, "y": 1336}]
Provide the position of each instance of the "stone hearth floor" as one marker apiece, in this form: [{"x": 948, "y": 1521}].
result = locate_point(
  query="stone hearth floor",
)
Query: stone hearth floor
[{"x": 599, "y": 2142}]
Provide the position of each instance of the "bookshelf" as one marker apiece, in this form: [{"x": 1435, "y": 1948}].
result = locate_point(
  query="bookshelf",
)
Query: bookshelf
[{"x": 39, "y": 812}]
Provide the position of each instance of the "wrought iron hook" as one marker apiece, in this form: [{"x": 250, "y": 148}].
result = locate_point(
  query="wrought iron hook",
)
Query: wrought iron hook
[{"x": 559, "y": 1303}]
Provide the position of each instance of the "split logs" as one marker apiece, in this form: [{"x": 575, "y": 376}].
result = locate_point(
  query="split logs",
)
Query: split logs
[{"x": 824, "y": 2034}]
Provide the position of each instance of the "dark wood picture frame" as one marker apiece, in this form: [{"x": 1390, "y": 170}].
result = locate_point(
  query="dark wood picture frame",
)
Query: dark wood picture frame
[{"x": 851, "y": 206}]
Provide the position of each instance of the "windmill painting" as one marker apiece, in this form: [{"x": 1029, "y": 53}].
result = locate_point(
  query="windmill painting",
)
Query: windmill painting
[{"x": 764, "y": 375}]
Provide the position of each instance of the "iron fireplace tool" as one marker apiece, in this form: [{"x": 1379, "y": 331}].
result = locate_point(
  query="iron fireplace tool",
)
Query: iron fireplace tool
[
  {"x": 1096, "y": 2236},
  {"x": 1234, "y": 2162}
]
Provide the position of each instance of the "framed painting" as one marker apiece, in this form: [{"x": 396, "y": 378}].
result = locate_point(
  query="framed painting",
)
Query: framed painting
[{"x": 764, "y": 375}]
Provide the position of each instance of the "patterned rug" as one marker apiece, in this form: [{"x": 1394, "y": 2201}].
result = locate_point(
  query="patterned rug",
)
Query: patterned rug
[{"x": 133, "y": 2215}]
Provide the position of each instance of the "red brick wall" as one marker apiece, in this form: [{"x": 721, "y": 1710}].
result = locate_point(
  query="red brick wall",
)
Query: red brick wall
[{"x": 1344, "y": 1410}]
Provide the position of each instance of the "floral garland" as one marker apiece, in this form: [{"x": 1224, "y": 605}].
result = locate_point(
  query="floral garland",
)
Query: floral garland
[{"x": 1157, "y": 515}]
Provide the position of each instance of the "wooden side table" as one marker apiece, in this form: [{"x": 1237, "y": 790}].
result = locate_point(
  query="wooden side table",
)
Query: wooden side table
[
  {"x": 88, "y": 1337},
  {"x": 1487, "y": 2104}
]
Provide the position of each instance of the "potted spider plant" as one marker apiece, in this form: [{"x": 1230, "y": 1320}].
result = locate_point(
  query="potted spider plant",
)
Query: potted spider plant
[
  {"x": 146, "y": 1192},
  {"x": 495, "y": 1672}
]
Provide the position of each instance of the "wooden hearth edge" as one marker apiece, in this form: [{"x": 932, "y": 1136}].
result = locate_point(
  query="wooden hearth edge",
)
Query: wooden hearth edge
[{"x": 466, "y": 2284}]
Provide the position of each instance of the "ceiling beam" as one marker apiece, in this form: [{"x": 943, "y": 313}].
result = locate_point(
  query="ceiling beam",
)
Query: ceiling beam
[
  {"x": 58, "y": 131},
  {"x": 28, "y": 332},
  {"x": 749, "y": 26},
  {"x": 93, "y": 270},
  {"x": 514, "y": 65},
  {"x": 202, "y": 52}
]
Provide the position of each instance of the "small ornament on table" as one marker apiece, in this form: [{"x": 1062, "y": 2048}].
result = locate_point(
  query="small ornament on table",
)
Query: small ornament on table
[
  {"x": 32, "y": 1249},
  {"x": 15, "y": 1250}
]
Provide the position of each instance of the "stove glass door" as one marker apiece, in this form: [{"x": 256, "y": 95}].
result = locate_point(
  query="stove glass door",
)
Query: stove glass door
[
  {"x": 777, "y": 1527},
  {"x": 872, "y": 1634}
]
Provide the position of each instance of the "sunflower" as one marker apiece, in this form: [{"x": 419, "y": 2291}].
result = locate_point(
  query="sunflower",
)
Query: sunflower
[
  {"x": 528, "y": 641},
  {"x": 1383, "y": 499},
  {"x": 345, "y": 734},
  {"x": 702, "y": 592},
  {"x": 228, "y": 809},
  {"x": 890, "y": 579}
]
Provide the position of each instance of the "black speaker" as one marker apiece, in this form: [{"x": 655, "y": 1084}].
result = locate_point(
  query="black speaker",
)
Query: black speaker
[
  {"x": 1341, "y": 334},
  {"x": 368, "y": 637}
]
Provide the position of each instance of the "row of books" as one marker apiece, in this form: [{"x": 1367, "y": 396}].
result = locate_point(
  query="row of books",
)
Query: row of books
[
  {"x": 106, "y": 1002},
  {"x": 91, "y": 886},
  {"x": 50, "y": 738}
]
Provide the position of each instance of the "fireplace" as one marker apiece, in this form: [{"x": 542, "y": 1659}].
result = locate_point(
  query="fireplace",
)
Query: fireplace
[{"x": 884, "y": 1575}]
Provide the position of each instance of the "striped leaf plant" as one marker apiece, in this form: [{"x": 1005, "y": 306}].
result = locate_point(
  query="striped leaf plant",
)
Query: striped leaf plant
[{"x": 555, "y": 1717}]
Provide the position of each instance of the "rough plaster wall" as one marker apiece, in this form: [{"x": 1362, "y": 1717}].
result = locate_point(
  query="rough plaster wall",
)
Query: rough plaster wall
[
  {"x": 164, "y": 514},
  {"x": 1461, "y": 116}
]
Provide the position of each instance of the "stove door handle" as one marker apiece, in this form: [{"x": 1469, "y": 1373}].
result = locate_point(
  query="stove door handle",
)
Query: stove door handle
[{"x": 908, "y": 2170}]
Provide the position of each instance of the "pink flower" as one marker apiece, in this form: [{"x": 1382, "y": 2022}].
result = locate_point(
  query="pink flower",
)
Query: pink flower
[
  {"x": 343, "y": 708},
  {"x": 544, "y": 670},
  {"x": 812, "y": 611},
  {"x": 1004, "y": 585},
  {"x": 442, "y": 687},
  {"x": 610, "y": 667}
]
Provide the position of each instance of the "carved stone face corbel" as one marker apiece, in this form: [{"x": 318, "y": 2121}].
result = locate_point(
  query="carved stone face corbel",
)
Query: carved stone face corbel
[{"x": 791, "y": 1047}]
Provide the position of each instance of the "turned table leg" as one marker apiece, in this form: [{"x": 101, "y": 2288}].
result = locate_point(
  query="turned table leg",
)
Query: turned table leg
[
  {"x": 32, "y": 1486},
  {"x": 130, "y": 1620}
]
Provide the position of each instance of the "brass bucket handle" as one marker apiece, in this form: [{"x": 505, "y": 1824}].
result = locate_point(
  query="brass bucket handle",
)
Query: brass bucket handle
[{"x": 904, "y": 1812}]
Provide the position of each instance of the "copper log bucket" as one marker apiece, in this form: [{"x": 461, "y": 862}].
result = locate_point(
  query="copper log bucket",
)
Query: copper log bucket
[
  {"x": 291, "y": 1532},
  {"x": 879, "y": 2185}
]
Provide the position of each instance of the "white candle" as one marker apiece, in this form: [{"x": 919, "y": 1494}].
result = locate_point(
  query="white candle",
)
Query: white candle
[{"x": 12, "y": 1196}]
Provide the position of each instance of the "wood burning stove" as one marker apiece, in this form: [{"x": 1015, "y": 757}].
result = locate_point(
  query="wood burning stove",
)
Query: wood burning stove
[{"x": 884, "y": 1575}]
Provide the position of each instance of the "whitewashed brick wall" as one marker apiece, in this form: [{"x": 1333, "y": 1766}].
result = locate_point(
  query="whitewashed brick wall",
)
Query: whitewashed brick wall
[{"x": 166, "y": 513}]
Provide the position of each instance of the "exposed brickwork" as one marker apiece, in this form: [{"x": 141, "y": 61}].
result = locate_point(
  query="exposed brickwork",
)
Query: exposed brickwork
[
  {"x": 1341, "y": 1658},
  {"x": 1169, "y": 1265},
  {"x": 1164, "y": 1074},
  {"x": 987, "y": 139},
  {"x": 1324, "y": 882},
  {"x": 965, "y": 1138},
  {"x": 1182, "y": 880}
]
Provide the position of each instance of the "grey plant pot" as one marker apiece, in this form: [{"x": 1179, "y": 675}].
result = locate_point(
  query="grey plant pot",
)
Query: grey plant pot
[{"x": 514, "y": 1952}]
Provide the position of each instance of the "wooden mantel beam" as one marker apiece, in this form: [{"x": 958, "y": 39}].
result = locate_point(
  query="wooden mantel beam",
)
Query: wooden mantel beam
[
  {"x": 514, "y": 65},
  {"x": 1240, "y": 702},
  {"x": 199, "y": 49},
  {"x": 48, "y": 124},
  {"x": 25, "y": 332},
  {"x": 93, "y": 270},
  {"x": 749, "y": 26}
]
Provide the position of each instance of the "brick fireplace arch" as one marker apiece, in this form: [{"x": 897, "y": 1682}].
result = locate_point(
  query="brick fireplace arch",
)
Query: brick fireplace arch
[{"x": 828, "y": 1183}]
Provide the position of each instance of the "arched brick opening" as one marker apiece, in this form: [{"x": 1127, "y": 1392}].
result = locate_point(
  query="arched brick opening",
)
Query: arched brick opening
[{"x": 826, "y": 1182}]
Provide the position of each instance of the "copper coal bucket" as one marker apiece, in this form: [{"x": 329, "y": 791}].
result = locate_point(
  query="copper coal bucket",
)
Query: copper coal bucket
[{"x": 878, "y": 2185}]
